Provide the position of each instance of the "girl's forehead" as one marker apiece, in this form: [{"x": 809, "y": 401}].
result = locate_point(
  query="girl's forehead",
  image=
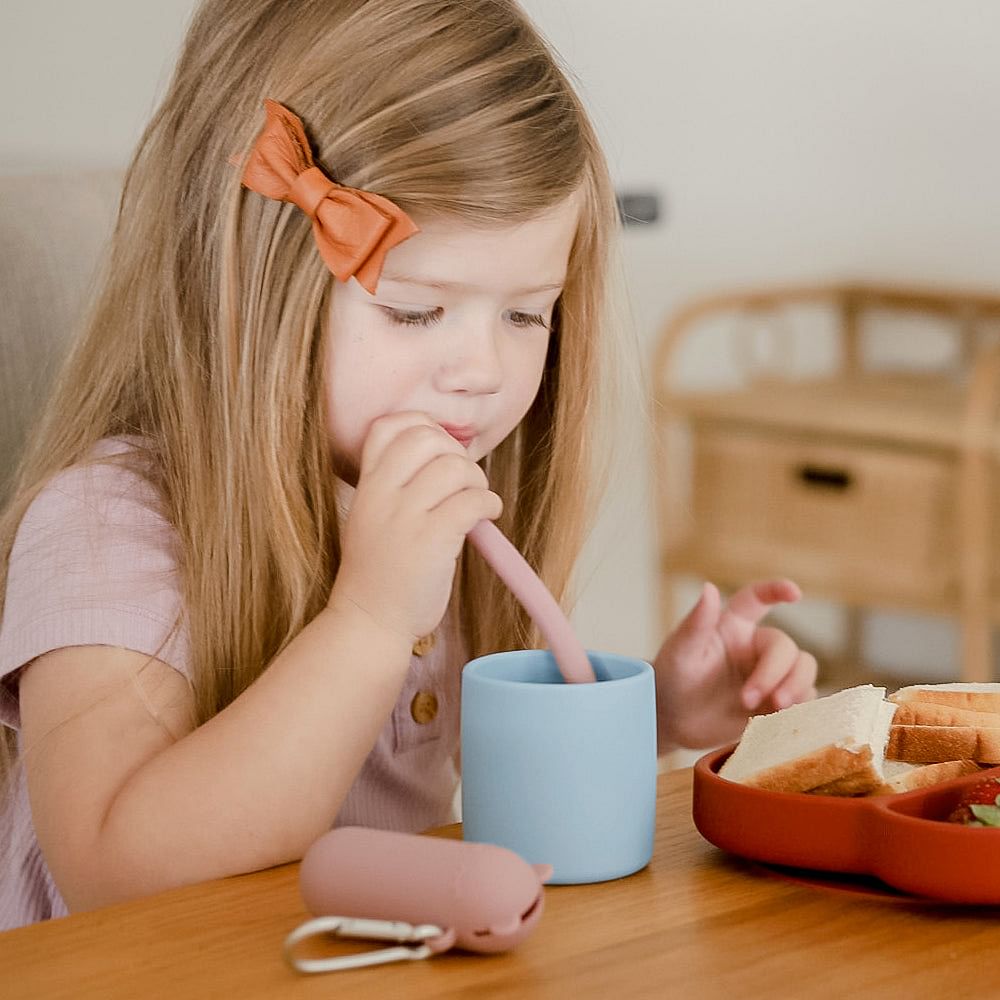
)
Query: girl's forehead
[{"x": 529, "y": 256}]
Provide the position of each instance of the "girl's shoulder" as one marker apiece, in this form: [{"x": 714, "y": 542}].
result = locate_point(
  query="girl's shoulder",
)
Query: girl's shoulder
[
  {"x": 105, "y": 513},
  {"x": 93, "y": 562},
  {"x": 114, "y": 485}
]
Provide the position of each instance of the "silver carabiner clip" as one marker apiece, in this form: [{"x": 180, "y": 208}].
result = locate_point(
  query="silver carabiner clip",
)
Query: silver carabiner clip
[{"x": 372, "y": 930}]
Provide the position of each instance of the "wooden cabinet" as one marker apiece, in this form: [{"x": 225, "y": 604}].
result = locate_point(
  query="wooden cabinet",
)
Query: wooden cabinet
[{"x": 869, "y": 482}]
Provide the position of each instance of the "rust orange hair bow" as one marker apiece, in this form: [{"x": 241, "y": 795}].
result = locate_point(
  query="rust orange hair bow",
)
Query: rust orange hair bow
[{"x": 353, "y": 229}]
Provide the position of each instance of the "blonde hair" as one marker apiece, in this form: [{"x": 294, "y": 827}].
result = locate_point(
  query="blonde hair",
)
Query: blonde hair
[{"x": 206, "y": 339}]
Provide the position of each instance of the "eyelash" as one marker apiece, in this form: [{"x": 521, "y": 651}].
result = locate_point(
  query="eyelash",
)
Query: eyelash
[{"x": 407, "y": 317}]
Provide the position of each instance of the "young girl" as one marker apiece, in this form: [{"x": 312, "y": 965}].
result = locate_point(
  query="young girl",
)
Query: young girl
[{"x": 354, "y": 299}]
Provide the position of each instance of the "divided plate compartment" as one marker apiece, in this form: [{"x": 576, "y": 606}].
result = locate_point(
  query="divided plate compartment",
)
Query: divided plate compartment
[{"x": 901, "y": 839}]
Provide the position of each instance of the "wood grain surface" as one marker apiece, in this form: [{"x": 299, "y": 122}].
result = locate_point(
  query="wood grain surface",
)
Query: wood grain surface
[{"x": 696, "y": 923}]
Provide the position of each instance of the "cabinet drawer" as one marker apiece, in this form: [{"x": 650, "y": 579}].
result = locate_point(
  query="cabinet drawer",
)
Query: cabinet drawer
[{"x": 855, "y": 517}]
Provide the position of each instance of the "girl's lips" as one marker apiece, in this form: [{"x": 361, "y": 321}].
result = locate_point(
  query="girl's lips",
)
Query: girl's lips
[{"x": 463, "y": 435}]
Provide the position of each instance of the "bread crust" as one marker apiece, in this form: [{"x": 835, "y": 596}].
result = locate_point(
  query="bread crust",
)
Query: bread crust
[
  {"x": 934, "y": 744},
  {"x": 975, "y": 701},
  {"x": 823, "y": 766},
  {"x": 929, "y": 774},
  {"x": 924, "y": 713},
  {"x": 863, "y": 783}
]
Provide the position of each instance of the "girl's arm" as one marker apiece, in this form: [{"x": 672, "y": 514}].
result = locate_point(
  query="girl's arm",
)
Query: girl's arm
[
  {"x": 125, "y": 806},
  {"x": 129, "y": 798}
]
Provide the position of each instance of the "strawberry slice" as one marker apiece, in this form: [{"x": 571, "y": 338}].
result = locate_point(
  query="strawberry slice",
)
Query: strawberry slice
[{"x": 979, "y": 804}]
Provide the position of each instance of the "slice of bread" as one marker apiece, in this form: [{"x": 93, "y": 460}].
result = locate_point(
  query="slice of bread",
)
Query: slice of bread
[
  {"x": 973, "y": 697},
  {"x": 932, "y": 744},
  {"x": 814, "y": 743},
  {"x": 926, "y": 713},
  {"x": 901, "y": 776}
]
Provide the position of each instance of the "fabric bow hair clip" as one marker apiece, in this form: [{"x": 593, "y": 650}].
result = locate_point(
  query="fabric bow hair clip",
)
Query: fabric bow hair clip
[{"x": 353, "y": 229}]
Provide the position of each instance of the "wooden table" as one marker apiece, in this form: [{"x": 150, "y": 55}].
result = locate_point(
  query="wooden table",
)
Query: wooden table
[{"x": 695, "y": 923}]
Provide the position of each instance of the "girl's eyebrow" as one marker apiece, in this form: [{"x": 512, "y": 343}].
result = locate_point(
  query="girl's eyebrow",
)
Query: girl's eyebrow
[{"x": 406, "y": 279}]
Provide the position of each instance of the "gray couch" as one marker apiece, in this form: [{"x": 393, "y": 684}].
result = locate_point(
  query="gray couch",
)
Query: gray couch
[{"x": 53, "y": 229}]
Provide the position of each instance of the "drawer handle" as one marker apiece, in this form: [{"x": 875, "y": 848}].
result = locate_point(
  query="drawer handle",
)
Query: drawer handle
[{"x": 825, "y": 478}]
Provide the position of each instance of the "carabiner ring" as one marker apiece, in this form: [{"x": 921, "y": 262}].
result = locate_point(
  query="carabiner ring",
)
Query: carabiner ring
[{"x": 356, "y": 928}]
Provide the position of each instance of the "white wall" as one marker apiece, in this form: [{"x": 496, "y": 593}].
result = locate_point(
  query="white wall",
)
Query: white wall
[
  {"x": 791, "y": 139},
  {"x": 85, "y": 75}
]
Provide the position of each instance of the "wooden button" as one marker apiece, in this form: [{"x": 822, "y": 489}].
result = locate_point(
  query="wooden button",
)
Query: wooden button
[
  {"x": 424, "y": 707},
  {"x": 424, "y": 645}
]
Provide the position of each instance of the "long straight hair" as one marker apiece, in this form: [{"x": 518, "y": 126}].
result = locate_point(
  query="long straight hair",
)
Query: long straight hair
[{"x": 206, "y": 340}]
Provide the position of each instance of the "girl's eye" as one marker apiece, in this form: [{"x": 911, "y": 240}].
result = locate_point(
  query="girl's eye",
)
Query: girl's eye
[
  {"x": 524, "y": 319},
  {"x": 427, "y": 317},
  {"x": 413, "y": 317}
]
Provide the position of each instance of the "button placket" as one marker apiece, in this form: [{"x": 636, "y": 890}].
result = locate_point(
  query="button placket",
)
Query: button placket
[
  {"x": 424, "y": 707},
  {"x": 418, "y": 712},
  {"x": 424, "y": 644}
]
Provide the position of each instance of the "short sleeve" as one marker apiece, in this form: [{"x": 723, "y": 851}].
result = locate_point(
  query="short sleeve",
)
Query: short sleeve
[{"x": 94, "y": 562}]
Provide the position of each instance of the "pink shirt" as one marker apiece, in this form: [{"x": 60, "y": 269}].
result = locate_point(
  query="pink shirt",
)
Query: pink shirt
[{"x": 95, "y": 563}]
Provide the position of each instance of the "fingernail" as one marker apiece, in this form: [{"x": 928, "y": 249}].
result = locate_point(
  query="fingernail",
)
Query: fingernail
[{"x": 751, "y": 697}]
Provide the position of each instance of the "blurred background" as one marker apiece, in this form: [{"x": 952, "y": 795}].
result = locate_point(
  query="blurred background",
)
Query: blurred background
[{"x": 769, "y": 143}]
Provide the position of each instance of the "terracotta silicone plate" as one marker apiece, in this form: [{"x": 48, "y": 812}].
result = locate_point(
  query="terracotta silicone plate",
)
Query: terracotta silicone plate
[{"x": 900, "y": 839}]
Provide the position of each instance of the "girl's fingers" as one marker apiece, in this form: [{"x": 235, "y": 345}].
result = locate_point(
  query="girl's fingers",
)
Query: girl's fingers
[
  {"x": 703, "y": 616},
  {"x": 384, "y": 430},
  {"x": 442, "y": 477},
  {"x": 777, "y": 656},
  {"x": 397, "y": 459},
  {"x": 461, "y": 512},
  {"x": 393, "y": 437},
  {"x": 799, "y": 684},
  {"x": 755, "y": 601}
]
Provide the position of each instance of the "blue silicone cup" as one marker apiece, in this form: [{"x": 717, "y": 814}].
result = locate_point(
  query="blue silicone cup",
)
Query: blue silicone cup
[{"x": 562, "y": 774}]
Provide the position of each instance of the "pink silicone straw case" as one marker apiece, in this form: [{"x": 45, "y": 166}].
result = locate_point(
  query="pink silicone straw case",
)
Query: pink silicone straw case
[{"x": 485, "y": 898}]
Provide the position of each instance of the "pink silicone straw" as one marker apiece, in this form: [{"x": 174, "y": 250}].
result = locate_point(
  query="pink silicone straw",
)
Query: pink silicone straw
[{"x": 524, "y": 584}]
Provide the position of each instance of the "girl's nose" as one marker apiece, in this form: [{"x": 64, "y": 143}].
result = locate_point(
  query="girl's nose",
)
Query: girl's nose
[{"x": 472, "y": 364}]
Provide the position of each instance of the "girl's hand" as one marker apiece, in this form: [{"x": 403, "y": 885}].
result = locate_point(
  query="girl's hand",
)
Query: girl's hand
[
  {"x": 418, "y": 496},
  {"x": 719, "y": 666}
]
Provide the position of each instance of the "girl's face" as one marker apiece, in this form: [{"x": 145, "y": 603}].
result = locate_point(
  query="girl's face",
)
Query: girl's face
[{"x": 458, "y": 329}]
